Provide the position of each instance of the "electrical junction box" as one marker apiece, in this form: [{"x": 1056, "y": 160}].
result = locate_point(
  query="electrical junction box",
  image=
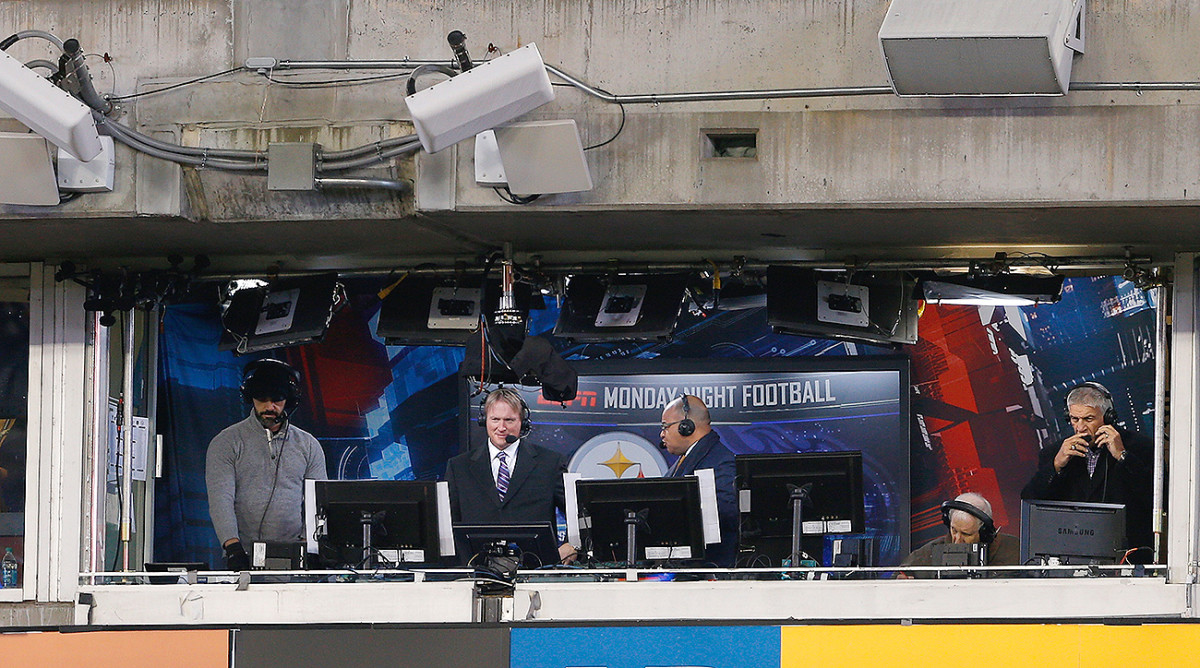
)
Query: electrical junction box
[{"x": 292, "y": 166}]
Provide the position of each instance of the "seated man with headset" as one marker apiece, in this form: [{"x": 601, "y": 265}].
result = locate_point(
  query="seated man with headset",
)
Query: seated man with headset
[
  {"x": 1099, "y": 463},
  {"x": 969, "y": 521}
]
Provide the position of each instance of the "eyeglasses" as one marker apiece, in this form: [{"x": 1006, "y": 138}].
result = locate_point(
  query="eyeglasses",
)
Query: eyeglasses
[{"x": 667, "y": 425}]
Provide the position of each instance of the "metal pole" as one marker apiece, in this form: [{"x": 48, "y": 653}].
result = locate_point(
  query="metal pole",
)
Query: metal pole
[
  {"x": 1162, "y": 296},
  {"x": 127, "y": 439},
  {"x": 630, "y": 538}
]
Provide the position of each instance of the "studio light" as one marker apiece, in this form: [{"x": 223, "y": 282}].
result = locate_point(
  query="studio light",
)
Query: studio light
[
  {"x": 1004, "y": 289},
  {"x": 625, "y": 307},
  {"x": 289, "y": 311}
]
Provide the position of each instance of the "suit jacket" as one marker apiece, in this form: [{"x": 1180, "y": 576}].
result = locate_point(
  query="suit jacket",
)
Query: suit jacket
[
  {"x": 1129, "y": 482},
  {"x": 710, "y": 453},
  {"x": 535, "y": 488}
]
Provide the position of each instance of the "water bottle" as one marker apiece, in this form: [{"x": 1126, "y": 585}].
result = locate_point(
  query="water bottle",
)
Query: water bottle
[{"x": 9, "y": 567}]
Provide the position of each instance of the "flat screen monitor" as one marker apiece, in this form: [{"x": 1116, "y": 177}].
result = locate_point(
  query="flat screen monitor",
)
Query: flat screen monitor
[
  {"x": 835, "y": 493},
  {"x": 535, "y": 544},
  {"x": 670, "y": 523},
  {"x": 406, "y": 520},
  {"x": 1072, "y": 531}
]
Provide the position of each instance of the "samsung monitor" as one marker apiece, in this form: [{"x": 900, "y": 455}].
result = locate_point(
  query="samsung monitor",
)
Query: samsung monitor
[
  {"x": 666, "y": 513},
  {"x": 1072, "y": 532},
  {"x": 532, "y": 544},
  {"x": 378, "y": 522},
  {"x": 834, "y": 482}
]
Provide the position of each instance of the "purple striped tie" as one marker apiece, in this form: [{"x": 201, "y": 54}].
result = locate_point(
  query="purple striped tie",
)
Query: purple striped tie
[{"x": 502, "y": 475}]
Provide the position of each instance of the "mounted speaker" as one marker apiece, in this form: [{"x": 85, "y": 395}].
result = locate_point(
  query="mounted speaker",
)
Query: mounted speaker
[{"x": 954, "y": 48}]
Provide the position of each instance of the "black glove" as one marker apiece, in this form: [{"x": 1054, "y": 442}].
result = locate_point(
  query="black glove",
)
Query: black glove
[{"x": 236, "y": 558}]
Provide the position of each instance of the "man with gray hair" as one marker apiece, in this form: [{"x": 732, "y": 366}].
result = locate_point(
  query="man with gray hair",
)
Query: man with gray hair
[
  {"x": 968, "y": 519},
  {"x": 1099, "y": 462}
]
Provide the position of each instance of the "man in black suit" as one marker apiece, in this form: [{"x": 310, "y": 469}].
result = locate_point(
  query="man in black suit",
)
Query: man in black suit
[
  {"x": 1102, "y": 463},
  {"x": 511, "y": 480},
  {"x": 687, "y": 433}
]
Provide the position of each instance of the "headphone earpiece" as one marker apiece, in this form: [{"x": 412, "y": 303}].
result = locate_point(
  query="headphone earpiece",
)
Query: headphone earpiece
[
  {"x": 1110, "y": 413},
  {"x": 987, "y": 530},
  {"x": 686, "y": 426}
]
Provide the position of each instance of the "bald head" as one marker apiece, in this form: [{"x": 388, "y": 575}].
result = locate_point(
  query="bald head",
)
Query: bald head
[{"x": 674, "y": 413}]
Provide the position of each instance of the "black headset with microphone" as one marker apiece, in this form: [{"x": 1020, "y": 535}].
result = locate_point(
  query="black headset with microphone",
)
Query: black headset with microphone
[
  {"x": 987, "y": 530},
  {"x": 526, "y": 423}
]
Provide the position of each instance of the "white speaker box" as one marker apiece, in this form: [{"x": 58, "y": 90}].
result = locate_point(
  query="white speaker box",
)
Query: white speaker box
[
  {"x": 481, "y": 98},
  {"x": 981, "y": 47}
]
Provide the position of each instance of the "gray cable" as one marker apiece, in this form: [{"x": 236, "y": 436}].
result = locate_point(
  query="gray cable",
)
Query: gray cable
[
  {"x": 404, "y": 187},
  {"x": 32, "y": 33}
]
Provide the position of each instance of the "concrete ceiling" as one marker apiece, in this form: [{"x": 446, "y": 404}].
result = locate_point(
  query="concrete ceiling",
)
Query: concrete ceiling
[{"x": 628, "y": 235}]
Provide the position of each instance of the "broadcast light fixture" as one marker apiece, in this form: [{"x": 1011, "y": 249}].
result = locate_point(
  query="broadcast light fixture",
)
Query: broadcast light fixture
[
  {"x": 1004, "y": 289},
  {"x": 47, "y": 109}
]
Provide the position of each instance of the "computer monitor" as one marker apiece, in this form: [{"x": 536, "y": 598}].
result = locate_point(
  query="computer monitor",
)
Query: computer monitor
[
  {"x": 408, "y": 522},
  {"x": 533, "y": 544},
  {"x": 835, "y": 493},
  {"x": 1072, "y": 531},
  {"x": 668, "y": 517}
]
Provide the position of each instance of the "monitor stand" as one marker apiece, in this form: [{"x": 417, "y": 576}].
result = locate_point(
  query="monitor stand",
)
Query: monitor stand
[{"x": 799, "y": 496}]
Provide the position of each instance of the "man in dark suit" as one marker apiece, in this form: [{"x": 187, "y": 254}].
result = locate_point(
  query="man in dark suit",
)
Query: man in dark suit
[
  {"x": 687, "y": 433},
  {"x": 1102, "y": 463},
  {"x": 511, "y": 480}
]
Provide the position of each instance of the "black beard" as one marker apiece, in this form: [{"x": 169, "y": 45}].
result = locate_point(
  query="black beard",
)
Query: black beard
[{"x": 268, "y": 421}]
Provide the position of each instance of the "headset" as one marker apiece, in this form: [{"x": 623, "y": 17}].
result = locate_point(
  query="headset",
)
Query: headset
[
  {"x": 526, "y": 423},
  {"x": 1110, "y": 413},
  {"x": 987, "y": 531},
  {"x": 686, "y": 426},
  {"x": 272, "y": 376}
]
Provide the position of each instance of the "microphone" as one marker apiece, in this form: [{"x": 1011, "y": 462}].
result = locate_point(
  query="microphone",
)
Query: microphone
[
  {"x": 510, "y": 439},
  {"x": 458, "y": 44}
]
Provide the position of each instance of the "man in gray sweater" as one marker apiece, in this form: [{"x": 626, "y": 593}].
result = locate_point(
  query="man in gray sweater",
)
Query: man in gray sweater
[{"x": 255, "y": 469}]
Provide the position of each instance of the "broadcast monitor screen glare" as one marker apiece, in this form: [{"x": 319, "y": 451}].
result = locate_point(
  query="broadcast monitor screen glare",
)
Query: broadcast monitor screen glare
[
  {"x": 835, "y": 496},
  {"x": 670, "y": 523},
  {"x": 403, "y": 515},
  {"x": 1074, "y": 532},
  {"x": 535, "y": 543}
]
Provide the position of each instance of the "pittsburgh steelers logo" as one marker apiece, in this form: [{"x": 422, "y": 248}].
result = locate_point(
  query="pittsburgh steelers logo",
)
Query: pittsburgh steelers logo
[{"x": 618, "y": 454}]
